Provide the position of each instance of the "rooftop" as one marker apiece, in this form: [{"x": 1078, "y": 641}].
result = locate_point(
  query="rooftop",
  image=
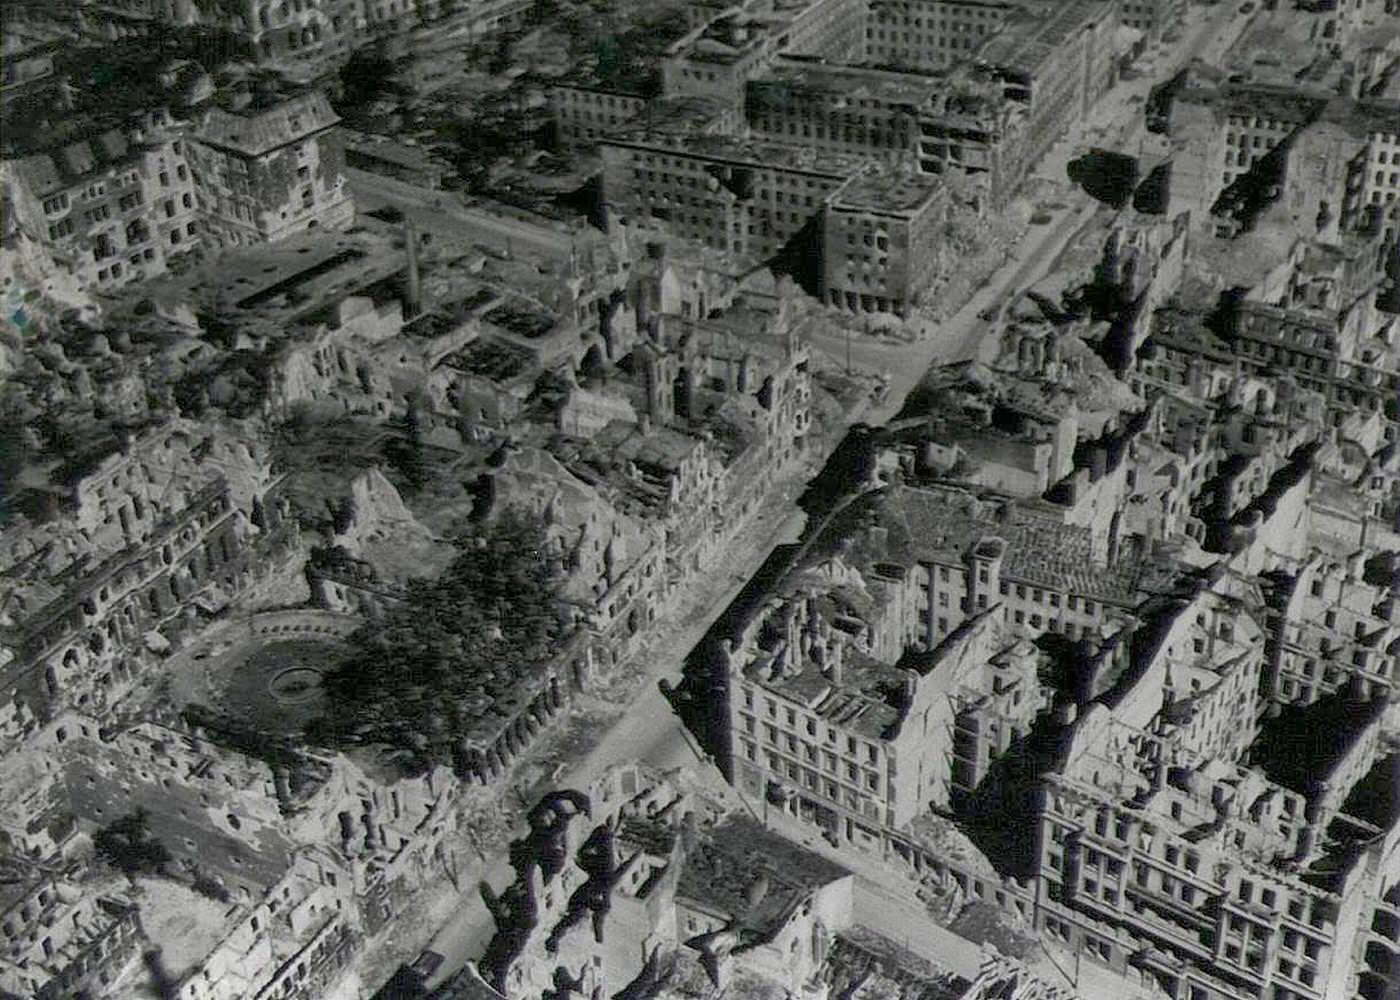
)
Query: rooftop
[
  {"x": 940, "y": 524},
  {"x": 675, "y": 132},
  {"x": 286, "y": 280},
  {"x": 254, "y": 131},
  {"x": 61, "y": 168},
  {"x": 890, "y": 191},
  {"x": 868, "y": 698},
  {"x": 1038, "y": 32},
  {"x": 846, "y": 83},
  {"x": 743, "y": 871}
]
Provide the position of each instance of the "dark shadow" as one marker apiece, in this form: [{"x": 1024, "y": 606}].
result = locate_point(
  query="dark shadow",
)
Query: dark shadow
[
  {"x": 1105, "y": 176},
  {"x": 1297, "y": 747},
  {"x": 1152, "y": 194},
  {"x": 801, "y": 257},
  {"x": 1001, "y": 816},
  {"x": 586, "y": 201}
]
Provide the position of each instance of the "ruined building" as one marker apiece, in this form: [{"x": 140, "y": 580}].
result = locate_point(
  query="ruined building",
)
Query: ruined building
[
  {"x": 174, "y": 524},
  {"x": 121, "y": 207}
]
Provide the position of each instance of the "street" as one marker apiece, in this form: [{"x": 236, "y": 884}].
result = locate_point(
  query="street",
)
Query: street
[
  {"x": 443, "y": 213},
  {"x": 648, "y": 730}
]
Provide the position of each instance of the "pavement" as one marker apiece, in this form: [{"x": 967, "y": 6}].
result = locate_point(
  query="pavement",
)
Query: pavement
[
  {"x": 1117, "y": 121},
  {"x": 648, "y": 730}
]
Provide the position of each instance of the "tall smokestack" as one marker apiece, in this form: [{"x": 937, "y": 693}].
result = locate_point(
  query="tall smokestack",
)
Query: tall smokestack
[{"x": 412, "y": 292}]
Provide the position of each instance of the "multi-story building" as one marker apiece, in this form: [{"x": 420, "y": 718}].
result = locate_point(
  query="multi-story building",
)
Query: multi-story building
[
  {"x": 930, "y": 34},
  {"x": 1379, "y": 209},
  {"x": 843, "y": 109},
  {"x": 954, "y": 124},
  {"x": 266, "y": 172},
  {"x": 610, "y": 883},
  {"x": 1220, "y": 880},
  {"x": 122, "y": 207},
  {"x": 1057, "y": 60},
  {"x": 56, "y": 941},
  {"x": 1329, "y": 630},
  {"x": 164, "y": 527},
  {"x": 111, "y": 210},
  {"x": 1316, "y": 316},
  {"x": 584, "y": 113},
  {"x": 748, "y": 197},
  {"x": 881, "y": 241},
  {"x": 308, "y": 38},
  {"x": 1329, "y": 160},
  {"x": 893, "y": 673},
  {"x": 716, "y": 60},
  {"x": 1151, "y": 17}
]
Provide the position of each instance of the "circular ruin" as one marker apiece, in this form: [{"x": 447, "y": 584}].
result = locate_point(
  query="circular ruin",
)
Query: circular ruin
[{"x": 267, "y": 669}]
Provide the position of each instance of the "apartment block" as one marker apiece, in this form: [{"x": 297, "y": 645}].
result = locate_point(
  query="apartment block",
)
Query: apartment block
[
  {"x": 123, "y": 207},
  {"x": 717, "y": 59},
  {"x": 1219, "y": 880},
  {"x": 893, "y": 672},
  {"x": 165, "y": 528},
  {"x": 959, "y": 124},
  {"x": 110, "y": 210},
  {"x": 929, "y": 35},
  {"x": 881, "y": 241},
  {"x": 1316, "y": 315},
  {"x": 1056, "y": 60},
  {"x": 1152, "y": 17},
  {"x": 639, "y": 860},
  {"x": 584, "y": 113},
  {"x": 307, "y": 38},
  {"x": 1330, "y": 630},
  {"x": 747, "y": 197},
  {"x": 268, "y": 172}
]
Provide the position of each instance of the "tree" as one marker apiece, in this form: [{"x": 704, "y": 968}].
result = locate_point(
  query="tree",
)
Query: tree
[
  {"x": 366, "y": 78},
  {"x": 412, "y": 673},
  {"x": 127, "y": 845}
]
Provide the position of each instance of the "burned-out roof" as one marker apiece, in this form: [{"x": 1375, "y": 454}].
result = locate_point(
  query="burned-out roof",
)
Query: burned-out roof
[
  {"x": 45, "y": 173},
  {"x": 743, "y": 871},
  {"x": 257, "y": 132},
  {"x": 867, "y": 699},
  {"x": 940, "y": 525},
  {"x": 887, "y": 191}
]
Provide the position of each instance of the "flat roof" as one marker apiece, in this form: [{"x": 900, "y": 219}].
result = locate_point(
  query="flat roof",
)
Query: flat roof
[
  {"x": 289, "y": 278},
  {"x": 758, "y": 153},
  {"x": 1038, "y": 32},
  {"x": 895, "y": 191}
]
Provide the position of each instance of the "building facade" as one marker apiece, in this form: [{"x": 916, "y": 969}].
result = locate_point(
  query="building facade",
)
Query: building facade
[{"x": 266, "y": 173}]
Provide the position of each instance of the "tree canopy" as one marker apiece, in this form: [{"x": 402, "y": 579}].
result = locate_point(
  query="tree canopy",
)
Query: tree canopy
[
  {"x": 413, "y": 674},
  {"x": 128, "y": 846}
]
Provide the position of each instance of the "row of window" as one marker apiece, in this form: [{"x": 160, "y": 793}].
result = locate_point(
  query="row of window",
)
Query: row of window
[
  {"x": 814, "y": 756},
  {"x": 812, "y": 725}
]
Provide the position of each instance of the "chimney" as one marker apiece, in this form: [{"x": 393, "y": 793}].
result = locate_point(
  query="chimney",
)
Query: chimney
[{"x": 412, "y": 291}]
